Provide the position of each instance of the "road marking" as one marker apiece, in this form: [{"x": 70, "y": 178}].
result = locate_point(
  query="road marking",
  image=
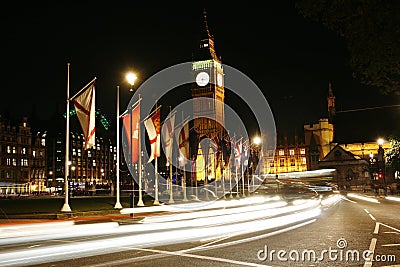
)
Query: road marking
[
  {"x": 376, "y": 230},
  {"x": 370, "y": 215},
  {"x": 368, "y": 261},
  {"x": 388, "y": 226},
  {"x": 390, "y": 245}
]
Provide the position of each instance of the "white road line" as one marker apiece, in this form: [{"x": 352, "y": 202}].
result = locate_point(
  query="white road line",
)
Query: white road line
[
  {"x": 370, "y": 215},
  {"x": 397, "y": 230},
  {"x": 390, "y": 245},
  {"x": 368, "y": 261},
  {"x": 376, "y": 230}
]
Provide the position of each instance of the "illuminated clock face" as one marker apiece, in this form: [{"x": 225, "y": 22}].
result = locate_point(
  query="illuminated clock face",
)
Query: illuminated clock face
[
  {"x": 202, "y": 78},
  {"x": 219, "y": 79}
]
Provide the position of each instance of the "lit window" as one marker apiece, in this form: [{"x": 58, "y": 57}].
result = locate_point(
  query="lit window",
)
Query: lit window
[
  {"x": 282, "y": 162},
  {"x": 292, "y": 162},
  {"x": 34, "y": 153},
  {"x": 302, "y": 151},
  {"x": 8, "y": 149},
  {"x": 8, "y": 162},
  {"x": 14, "y": 150},
  {"x": 303, "y": 161},
  {"x": 23, "y": 151},
  {"x": 43, "y": 142},
  {"x": 291, "y": 152},
  {"x": 79, "y": 152},
  {"x": 14, "y": 162},
  {"x": 24, "y": 124},
  {"x": 281, "y": 152}
]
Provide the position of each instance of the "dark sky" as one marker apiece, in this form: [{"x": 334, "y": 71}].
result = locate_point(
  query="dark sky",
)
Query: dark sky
[{"x": 291, "y": 59}]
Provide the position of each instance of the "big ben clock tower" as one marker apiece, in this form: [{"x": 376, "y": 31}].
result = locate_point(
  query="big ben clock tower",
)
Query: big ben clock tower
[{"x": 208, "y": 89}]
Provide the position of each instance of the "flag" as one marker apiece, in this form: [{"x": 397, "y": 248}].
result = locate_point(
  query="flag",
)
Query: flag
[
  {"x": 183, "y": 143},
  {"x": 245, "y": 153},
  {"x": 215, "y": 146},
  {"x": 85, "y": 110},
  {"x": 238, "y": 153},
  {"x": 205, "y": 148},
  {"x": 152, "y": 125},
  {"x": 131, "y": 123},
  {"x": 167, "y": 135}
]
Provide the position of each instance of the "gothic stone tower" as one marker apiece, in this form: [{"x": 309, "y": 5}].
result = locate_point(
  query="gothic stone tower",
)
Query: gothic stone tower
[{"x": 208, "y": 90}]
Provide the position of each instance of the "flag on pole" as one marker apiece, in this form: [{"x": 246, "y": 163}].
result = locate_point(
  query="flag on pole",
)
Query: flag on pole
[
  {"x": 152, "y": 125},
  {"x": 85, "y": 110},
  {"x": 245, "y": 153},
  {"x": 167, "y": 133},
  {"x": 183, "y": 143},
  {"x": 238, "y": 153},
  {"x": 131, "y": 123}
]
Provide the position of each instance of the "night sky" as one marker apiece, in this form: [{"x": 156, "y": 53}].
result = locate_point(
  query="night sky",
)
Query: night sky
[{"x": 292, "y": 60}]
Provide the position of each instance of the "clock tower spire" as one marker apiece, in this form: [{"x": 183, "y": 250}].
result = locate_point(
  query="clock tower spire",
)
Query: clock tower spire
[{"x": 208, "y": 89}]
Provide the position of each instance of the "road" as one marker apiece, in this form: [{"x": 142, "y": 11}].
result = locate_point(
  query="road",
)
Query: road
[{"x": 266, "y": 232}]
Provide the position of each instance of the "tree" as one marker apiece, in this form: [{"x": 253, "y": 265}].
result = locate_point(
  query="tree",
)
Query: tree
[
  {"x": 371, "y": 29},
  {"x": 393, "y": 154}
]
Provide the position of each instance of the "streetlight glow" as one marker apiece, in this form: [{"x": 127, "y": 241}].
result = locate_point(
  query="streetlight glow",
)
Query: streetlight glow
[
  {"x": 380, "y": 141},
  {"x": 131, "y": 78},
  {"x": 257, "y": 140}
]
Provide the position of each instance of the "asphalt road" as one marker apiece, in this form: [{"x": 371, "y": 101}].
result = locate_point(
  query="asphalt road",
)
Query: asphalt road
[{"x": 345, "y": 233}]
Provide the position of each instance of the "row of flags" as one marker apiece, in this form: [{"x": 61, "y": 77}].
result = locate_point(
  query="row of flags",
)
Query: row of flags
[
  {"x": 131, "y": 124},
  {"x": 221, "y": 146}
]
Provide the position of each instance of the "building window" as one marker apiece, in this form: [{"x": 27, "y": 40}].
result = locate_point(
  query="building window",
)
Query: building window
[
  {"x": 292, "y": 162},
  {"x": 8, "y": 149},
  {"x": 24, "y": 162},
  {"x": 282, "y": 162},
  {"x": 14, "y": 150},
  {"x": 281, "y": 152},
  {"x": 23, "y": 151},
  {"x": 291, "y": 152},
  {"x": 271, "y": 163},
  {"x": 303, "y": 161},
  {"x": 43, "y": 142},
  {"x": 79, "y": 152},
  {"x": 34, "y": 153},
  {"x": 74, "y": 152},
  {"x": 8, "y": 162},
  {"x": 302, "y": 151},
  {"x": 14, "y": 162}
]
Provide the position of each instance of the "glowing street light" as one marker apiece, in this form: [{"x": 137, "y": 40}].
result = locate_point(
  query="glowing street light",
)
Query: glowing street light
[{"x": 131, "y": 78}]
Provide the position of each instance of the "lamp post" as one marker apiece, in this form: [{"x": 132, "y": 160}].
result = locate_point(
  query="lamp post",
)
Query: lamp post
[
  {"x": 381, "y": 161},
  {"x": 131, "y": 78},
  {"x": 118, "y": 203},
  {"x": 256, "y": 144}
]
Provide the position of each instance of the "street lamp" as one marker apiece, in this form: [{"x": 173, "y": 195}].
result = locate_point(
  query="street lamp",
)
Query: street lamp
[
  {"x": 131, "y": 77},
  {"x": 255, "y": 145}
]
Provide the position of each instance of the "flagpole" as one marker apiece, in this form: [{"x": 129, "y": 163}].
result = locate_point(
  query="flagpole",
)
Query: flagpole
[
  {"x": 140, "y": 201},
  {"x": 184, "y": 169},
  {"x": 117, "y": 203},
  {"x": 171, "y": 192},
  {"x": 66, "y": 207},
  {"x": 156, "y": 202}
]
